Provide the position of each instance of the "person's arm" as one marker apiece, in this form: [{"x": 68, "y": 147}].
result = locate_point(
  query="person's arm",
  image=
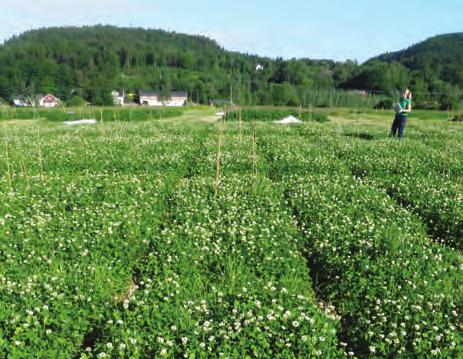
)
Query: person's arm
[{"x": 409, "y": 107}]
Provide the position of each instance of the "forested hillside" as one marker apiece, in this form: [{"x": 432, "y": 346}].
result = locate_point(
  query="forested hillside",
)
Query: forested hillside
[
  {"x": 432, "y": 66},
  {"x": 88, "y": 63}
]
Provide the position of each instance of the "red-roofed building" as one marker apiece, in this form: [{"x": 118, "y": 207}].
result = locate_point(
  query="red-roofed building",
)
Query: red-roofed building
[{"x": 49, "y": 101}]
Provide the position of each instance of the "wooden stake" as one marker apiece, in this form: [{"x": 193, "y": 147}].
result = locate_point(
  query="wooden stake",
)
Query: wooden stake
[
  {"x": 101, "y": 124},
  {"x": 241, "y": 126},
  {"x": 8, "y": 170},
  {"x": 254, "y": 155},
  {"x": 40, "y": 153},
  {"x": 23, "y": 163},
  {"x": 217, "y": 162}
]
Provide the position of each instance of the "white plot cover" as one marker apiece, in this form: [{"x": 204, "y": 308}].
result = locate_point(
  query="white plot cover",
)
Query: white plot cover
[
  {"x": 80, "y": 122},
  {"x": 288, "y": 120}
]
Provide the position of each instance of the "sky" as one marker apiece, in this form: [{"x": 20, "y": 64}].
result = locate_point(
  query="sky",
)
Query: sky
[{"x": 323, "y": 29}]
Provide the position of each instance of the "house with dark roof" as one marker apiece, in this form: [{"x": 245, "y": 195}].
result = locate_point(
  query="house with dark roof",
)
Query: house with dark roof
[
  {"x": 118, "y": 97},
  {"x": 154, "y": 98}
]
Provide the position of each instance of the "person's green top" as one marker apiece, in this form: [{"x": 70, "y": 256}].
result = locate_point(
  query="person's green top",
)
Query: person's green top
[{"x": 404, "y": 102}]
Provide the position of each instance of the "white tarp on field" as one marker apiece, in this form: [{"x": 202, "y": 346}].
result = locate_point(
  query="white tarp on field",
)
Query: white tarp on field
[
  {"x": 288, "y": 120},
  {"x": 80, "y": 122}
]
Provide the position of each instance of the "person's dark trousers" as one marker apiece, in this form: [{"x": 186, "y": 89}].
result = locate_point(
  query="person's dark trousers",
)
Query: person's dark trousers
[{"x": 398, "y": 125}]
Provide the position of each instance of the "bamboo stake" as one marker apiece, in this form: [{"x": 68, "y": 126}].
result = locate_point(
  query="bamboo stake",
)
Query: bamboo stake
[
  {"x": 8, "y": 170},
  {"x": 121, "y": 135},
  {"x": 217, "y": 162},
  {"x": 254, "y": 155},
  {"x": 40, "y": 153},
  {"x": 23, "y": 163},
  {"x": 101, "y": 124},
  {"x": 241, "y": 126}
]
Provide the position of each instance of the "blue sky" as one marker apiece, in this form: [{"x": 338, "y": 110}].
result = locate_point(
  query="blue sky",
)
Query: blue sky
[{"x": 333, "y": 29}]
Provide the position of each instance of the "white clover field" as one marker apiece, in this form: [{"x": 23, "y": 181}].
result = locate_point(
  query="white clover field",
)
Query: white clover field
[{"x": 161, "y": 238}]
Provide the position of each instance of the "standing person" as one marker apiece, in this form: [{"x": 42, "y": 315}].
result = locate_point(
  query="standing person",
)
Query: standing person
[{"x": 401, "y": 115}]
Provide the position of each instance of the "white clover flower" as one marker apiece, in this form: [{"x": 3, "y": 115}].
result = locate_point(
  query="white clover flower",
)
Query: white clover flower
[
  {"x": 295, "y": 324},
  {"x": 163, "y": 352},
  {"x": 17, "y": 343},
  {"x": 109, "y": 345},
  {"x": 372, "y": 349}
]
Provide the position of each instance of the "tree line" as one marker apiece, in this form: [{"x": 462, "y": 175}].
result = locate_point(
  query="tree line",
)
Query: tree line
[{"x": 86, "y": 63}]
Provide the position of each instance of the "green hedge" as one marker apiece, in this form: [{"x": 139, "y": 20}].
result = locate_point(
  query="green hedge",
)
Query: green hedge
[
  {"x": 109, "y": 114},
  {"x": 270, "y": 114}
]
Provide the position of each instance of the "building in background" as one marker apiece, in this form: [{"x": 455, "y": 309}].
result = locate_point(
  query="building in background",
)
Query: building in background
[
  {"x": 118, "y": 96},
  {"x": 36, "y": 100},
  {"x": 154, "y": 98},
  {"x": 22, "y": 101},
  {"x": 48, "y": 101},
  {"x": 177, "y": 99}
]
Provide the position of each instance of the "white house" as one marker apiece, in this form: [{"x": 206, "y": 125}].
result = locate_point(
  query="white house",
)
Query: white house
[
  {"x": 153, "y": 98},
  {"x": 150, "y": 98},
  {"x": 118, "y": 97},
  {"x": 177, "y": 99},
  {"x": 21, "y": 101},
  {"x": 49, "y": 101}
]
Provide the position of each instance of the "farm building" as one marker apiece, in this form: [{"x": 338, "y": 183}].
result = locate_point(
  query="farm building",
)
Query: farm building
[
  {"x": 48, "y": 101},
  {"x": 22, "y": 101},
  {"x": 118, "y": 96},
  {"x": 37, "y": 100},
  {"x": 176, "y": 99}
]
